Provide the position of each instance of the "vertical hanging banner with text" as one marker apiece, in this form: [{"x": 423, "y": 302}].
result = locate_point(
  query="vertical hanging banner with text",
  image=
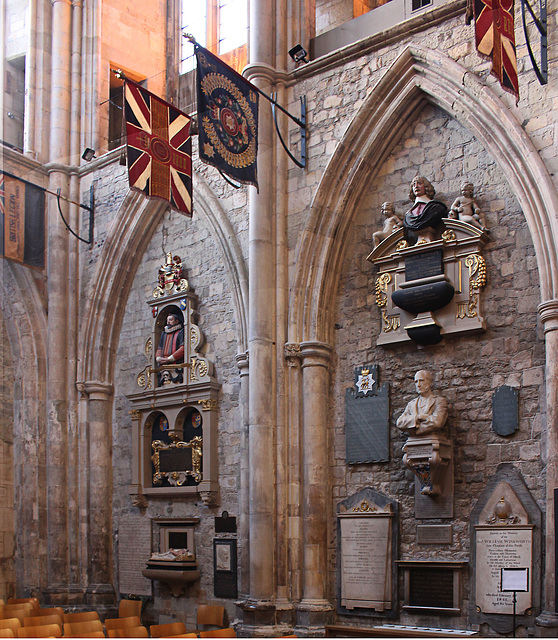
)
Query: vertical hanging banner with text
[{"x": 22, "y": 227}]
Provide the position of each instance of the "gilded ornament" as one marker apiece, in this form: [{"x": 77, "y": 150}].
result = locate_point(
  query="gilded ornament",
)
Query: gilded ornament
[
  {"x": 135, "y": 414},
  {"x": 144, "y": 377},
  {"x": 170, "y": 277},
  {"x": 148, "y": 349},
  {"x": 177, "y": 477},
  {"x": 449, "y": 236},
  {"x": 364, "y": 507},
  {"x": 477, "y": 266},
  {"x": 402, "y": 244},
  {"x": 390, "y": 323},
  {"x": 382, "y": 283},
  {"x": 208, "y": 404}
]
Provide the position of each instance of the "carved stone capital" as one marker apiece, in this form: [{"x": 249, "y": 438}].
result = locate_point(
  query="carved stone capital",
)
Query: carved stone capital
[
  {"x": 548, "y": 313},
  {"x": 292, "y": 353},
  {"x": 97, "y": 390},
  {"x": 243, "y": 363},
  {"x": 426, "y": 458},
  {"x": 315, "y": 354}
]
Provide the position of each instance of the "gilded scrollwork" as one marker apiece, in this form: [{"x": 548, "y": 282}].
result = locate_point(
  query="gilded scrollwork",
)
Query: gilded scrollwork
[
  {"x": 148, "y": 348},
  {"x": 382, "y": 284},
  {"x": 449, "y": 236},
  {"x": 199, "y": 368},
  {"x": 390, "y": 323},
  {"x": 144, "y": 378},
  {"x": 477, "y": 267}
]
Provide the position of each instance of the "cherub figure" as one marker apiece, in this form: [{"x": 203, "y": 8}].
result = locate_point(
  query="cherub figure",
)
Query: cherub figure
[
  {"x": 466, "y": 209},
  {"x": 392, "y": 223}
]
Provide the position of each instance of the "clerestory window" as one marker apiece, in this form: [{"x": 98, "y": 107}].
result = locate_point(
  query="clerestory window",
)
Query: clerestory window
[{"x": 218, "y": 25}]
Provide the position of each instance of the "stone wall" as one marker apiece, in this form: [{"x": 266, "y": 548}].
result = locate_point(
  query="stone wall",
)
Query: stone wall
[{"x": 7, "y": 515}]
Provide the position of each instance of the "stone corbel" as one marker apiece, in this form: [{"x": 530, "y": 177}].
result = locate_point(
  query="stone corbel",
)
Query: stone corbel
[
  {"x": 292, "y": 354},
  {"x": 427, "y": 458}
]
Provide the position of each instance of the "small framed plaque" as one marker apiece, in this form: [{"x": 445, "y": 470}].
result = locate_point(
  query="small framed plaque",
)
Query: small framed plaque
[
  {"x": 515, "y": 579},
  {"x": 224, "y": 568}
]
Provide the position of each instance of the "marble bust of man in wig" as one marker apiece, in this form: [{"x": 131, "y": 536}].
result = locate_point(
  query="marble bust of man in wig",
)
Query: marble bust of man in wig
[
  {"x": 423, "y": 218},
  {"x": 427, "y": 413},
  {"x": 171, "y": 347}
]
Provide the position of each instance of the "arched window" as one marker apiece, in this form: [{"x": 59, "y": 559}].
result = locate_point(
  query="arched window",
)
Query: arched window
[{"x": 218, "y": 25}]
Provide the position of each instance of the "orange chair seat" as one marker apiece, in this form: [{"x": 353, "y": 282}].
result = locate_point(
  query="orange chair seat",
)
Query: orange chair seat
[
  {"x": 121, "y": 623},
  {"x": 168, "y": 629},
  {"x": 129, "y": 632},
  {"x": 41, "y": 631}
]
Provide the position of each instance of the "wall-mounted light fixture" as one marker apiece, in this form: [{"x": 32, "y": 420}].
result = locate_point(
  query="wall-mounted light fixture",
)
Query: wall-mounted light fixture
[
  {"x": 298, "y": 54},
  {"x": 88, "y": 154}
]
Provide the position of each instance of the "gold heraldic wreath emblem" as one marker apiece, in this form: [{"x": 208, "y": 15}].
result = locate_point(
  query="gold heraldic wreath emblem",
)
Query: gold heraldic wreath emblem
[{"x": 210, "y": 83}]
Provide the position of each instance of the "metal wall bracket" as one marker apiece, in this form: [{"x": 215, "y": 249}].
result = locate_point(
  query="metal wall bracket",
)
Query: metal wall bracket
[
  {"x": 301, "y": 122},
  {"x": 541, "y": 24}
]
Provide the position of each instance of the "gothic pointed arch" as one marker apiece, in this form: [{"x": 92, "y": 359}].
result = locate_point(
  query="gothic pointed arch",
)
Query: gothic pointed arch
[
  {"x": 123, "y": 251},
  {"x": 417, "y": 77},
  {"x": 24, "y": 318}
]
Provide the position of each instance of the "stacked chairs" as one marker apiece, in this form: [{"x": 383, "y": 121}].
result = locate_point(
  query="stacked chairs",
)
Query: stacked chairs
[
  {"x": 10, "y": 626},
  {"x": 50, "y": 611},
  {"x": 40, "y": 621},
  {"x": 33, "y": 601}
]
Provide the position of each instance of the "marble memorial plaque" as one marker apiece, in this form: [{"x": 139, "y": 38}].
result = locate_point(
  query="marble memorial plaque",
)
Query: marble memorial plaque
[
  {"x": 424, "y": 265},
  {"x": 505, "y": 410},
  {"x": 500, "y": 548},
  {"x": 434, "y": 534},
  {"x": 367, "y": 426},
  {"x": 366, "y": 562},
  {"x": 134, "y": 536}
]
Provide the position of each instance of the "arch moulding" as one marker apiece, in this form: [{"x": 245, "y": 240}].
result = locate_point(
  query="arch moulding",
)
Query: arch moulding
[
  {"x": 418, "y": 76},
  {"x": 123, "y": 251}
]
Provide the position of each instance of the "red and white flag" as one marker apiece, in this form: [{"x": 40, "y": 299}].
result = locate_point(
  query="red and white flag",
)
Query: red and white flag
[{"x": 159, "y": 148}]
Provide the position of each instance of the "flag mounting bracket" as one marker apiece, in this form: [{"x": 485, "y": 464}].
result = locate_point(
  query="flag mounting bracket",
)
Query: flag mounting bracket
[
  {"x": 301, "y": 122},
  {"x": 541, "y": 25},
  {"x": 90, "y": 208}
]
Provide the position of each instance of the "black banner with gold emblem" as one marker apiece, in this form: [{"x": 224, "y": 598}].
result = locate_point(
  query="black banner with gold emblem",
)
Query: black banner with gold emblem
[{"x": 227, "y": 119}]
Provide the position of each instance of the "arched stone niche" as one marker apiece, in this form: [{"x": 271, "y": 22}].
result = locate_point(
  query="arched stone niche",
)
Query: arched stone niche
[
  {"x": 174, "y": 416},
  {"x": 505, "y": 534}
]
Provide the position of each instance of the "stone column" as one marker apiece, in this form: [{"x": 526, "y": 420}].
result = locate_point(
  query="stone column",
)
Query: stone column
[
  {"x": 244, "y": 502},
  {"x": 57, "y": 327},
  {"x": 547, "y": 622},
  {"x": 100, "y": 590},
  {"x": 261, "y": 341},
  {"x": 314, "y": 607}
]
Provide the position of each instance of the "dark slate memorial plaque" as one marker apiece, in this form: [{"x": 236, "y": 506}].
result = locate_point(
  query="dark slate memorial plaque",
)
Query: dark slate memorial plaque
[
  {"x": 424, "y": 265},
  {"x": 505, "y": 412},
  {"x": 175, "y": 460},
  {"x": 367, "y": 426}
]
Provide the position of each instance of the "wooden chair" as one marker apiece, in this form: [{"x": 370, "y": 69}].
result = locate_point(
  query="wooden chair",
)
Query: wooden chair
[
  {"x": 184, "y": 635},
  {"x": 80, "y": 616},
  {"x": 73, "y": 628},
  {"x": 50, "y": 611},
  {"x": 129, "y": 632},
  {"x": 90, "y": 634},
  {"x": 42, "y": 631},
  {"x": 212, "y": 615},
  {"x": 122, "y": 623},
  {"x": 33, "y": 601},
  {"x": 168, "y": 629},
  {"x": 6, "y": 633},
  {"x": 127, "y": 608},
  {"x": 20, "y": 611},
  {"x": 39, "y": 621},
  {"x": 11, "y": 623},
  {"x": 229, "y": 632}
]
